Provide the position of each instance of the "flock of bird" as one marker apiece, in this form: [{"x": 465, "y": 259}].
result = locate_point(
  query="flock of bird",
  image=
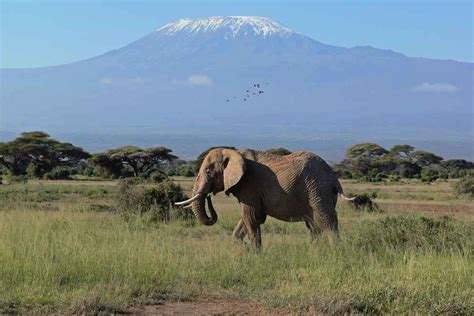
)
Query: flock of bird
[{"x": 256, "y": 90}]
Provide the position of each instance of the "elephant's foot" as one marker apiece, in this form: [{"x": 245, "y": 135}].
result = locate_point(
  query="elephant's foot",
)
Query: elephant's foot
[{"x": 239, "y": 231}]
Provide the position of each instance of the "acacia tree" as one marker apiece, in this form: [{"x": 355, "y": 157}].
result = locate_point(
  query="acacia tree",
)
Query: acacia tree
[
  {"x": 13, "y": 158},
  {"x": 278, "y": 151},
  {"x": 139, "y": 161},
  {"x": 39, "y": 150},
  {"x": 364, "y": 158},
  {"x": 401, "y": 161},
  {"x": 402, "y": 151},
  {"x": 366, "y": 150},
  {"x": 424, "y": 158},
  {"x": 369, "y": 159}
]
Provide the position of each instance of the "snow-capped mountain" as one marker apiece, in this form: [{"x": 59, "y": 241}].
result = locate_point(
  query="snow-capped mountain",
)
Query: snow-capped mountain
[
  {"x": 231, "y": 26},
  {"x": 191, "y": 76}
]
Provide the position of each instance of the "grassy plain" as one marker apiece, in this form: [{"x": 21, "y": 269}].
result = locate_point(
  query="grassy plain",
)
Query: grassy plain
[{"x": 62, "y": 248}]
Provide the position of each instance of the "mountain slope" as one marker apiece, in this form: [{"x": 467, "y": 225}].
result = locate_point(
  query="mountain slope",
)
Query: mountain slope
[{"x": 178, "y": 79}]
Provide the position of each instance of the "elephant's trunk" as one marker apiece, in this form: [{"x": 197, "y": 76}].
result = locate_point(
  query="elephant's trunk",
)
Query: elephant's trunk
[{"x": 199, "y": 209}]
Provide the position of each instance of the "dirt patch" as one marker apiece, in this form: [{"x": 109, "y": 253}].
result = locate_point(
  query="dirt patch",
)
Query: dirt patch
[{"x": 212, "y": 307}]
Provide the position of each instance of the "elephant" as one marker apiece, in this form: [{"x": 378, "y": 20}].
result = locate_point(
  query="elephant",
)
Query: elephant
[{"x": 298, "y": 187}]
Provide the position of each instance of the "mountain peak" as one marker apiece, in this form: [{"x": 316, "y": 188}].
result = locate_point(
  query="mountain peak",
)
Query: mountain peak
[{"x": 230, "y": 25}]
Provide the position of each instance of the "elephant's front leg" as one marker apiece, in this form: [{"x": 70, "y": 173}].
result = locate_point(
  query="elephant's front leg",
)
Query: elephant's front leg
[
  {"x": 250, "y": 217},
  {"x": 239, "y": 231}
]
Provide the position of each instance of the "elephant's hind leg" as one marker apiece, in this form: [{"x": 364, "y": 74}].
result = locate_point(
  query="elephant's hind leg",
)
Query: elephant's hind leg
[
  {"x": 239, "y": 231},
  {"x": 324, "y": 213},
  {"x": 313, "y": 228}
]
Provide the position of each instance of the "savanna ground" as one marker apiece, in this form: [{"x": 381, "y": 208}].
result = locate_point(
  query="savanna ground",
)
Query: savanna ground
[{"x": 63, "y": 249}]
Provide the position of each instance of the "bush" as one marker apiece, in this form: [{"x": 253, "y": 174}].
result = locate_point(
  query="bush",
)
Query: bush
[
  {"x": 158, "y": 176},
  {"x": 415, "y": 232},
  {"x": 87, "y": 171},
  {"x": 187, "y": 171},
  {"x": 11, "y": 179},
  {"x": 465, "y": 186},
  {"x": 153, "y": 203},
  {"x": 59, "y": 173},
  {"x": 32, "y": 171},
  {"x": 342, "y": 172},
  {"x": 364, "y": 203},
  {"x": 429, "y": 175},
  {"x": 374, "y": 175}
]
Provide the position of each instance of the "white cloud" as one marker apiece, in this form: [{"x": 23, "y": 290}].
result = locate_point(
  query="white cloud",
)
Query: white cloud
[
  {"x": 105, "y": 80},
  {"x": 199, "y": 80},
  {"x": 439, "y": 87}
]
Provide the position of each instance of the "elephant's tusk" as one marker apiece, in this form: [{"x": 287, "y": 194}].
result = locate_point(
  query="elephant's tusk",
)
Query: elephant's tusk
[
  {"x": 347, "y": 198},
  {"x": 194, "y": 198},
  {"x": 188, "y": 206}
]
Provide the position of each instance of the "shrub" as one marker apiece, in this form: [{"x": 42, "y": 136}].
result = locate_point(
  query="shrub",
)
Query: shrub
[
  {"x": 11, "y": 179},
  {"x": 364, "y": 203},
  {"x": 187, "y": 172},
  {"x": 87, "y": 171},
  {"x": 153, "y": 203},
  {"x": 429, "y": 175},
  {"x": 158, "y": 176},
  {"x": 415, "y": 232},
  {"x": 465, "y": 186},
  {"x": 33, "y": 171},
  {"x": 342, "y": 172},
  {"x": 59, "y": 173},
  {"x": 374, "y": 175}
]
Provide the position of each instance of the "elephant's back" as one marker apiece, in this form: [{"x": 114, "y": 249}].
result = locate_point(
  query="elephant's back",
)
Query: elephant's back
[
  {"x": 297, "y": 164},
  {"x": 299, "y": 159},
  {"x": 302, "y": 177}
]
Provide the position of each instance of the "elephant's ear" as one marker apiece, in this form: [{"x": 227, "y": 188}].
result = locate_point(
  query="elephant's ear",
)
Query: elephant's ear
[{"x": 234, "y": 168}]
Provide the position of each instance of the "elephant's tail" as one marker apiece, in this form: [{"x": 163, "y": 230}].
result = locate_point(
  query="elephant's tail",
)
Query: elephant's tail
[{"x": 340, "y": 191}]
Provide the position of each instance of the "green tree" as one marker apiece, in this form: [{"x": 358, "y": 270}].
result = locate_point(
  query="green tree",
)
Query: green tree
[
  {"x": 40, "y": 151},
  {"x": 140, "y": 161},
  {"x": 186, "y": 171},
  {"x": 402, "y": 151},
  {"x": 362, "y": 159},
  {"x": 278, "y": 151},
  {"x": 425, "y": 158},
  {"x": 457, "y": 164},
  {"x": 13, "y": 158},
  {"x": 366, "y": 150}
]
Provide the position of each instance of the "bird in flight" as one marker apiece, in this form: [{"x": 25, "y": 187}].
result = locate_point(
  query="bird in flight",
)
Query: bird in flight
[{"x": 248, "y": 93}]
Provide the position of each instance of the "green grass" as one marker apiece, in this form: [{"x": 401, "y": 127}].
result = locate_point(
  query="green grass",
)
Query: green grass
[{"x": 72, "y": 259}]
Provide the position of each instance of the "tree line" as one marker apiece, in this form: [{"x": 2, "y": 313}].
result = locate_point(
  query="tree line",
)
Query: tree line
[
  {"x": 372, "y": 162},
  {"x": 37, "y": 155}
]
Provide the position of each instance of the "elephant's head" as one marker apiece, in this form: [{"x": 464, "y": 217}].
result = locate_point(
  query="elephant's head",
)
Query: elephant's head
[{"x": 220, "y": 171}]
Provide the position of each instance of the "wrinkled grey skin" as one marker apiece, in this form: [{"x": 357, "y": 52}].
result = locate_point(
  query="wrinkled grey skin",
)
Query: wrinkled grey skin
[{"x": 293, "y": 188}]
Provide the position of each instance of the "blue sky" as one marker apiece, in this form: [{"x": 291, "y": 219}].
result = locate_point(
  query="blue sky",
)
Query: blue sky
[{"x": 42, "y": 33}]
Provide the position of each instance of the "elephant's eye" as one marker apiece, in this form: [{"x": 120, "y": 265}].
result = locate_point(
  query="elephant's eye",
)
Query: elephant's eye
[{"x": 208, "y": 172}]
